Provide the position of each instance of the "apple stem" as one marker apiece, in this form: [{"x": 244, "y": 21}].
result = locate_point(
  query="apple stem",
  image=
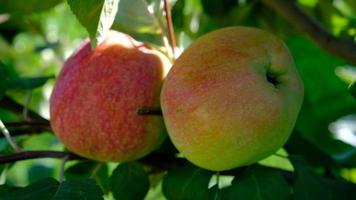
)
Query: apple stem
[{"x": 171, "y": 36}]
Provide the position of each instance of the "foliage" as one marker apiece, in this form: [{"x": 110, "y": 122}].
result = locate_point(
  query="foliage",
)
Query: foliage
[{"x": 318, "y": 162}]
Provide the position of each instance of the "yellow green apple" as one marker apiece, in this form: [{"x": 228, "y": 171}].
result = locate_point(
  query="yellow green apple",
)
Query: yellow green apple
[
  {"x": 95, "y": 101},
  {"x": 232, "y": 98}
]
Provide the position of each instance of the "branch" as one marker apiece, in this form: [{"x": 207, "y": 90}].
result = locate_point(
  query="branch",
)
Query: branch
[
  {"x": 171, "y": 37},
  {"x": 26, "y": 155},
  {"x": 158, "y": 162},
  {"x": 340, "y": 47},
  {"x": 15, "y": 107}
]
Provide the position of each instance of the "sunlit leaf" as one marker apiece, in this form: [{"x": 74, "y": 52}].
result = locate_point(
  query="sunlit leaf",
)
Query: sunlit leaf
[
  {"x": 96, "y": 16},
  {"x": 133, "y": 16}
]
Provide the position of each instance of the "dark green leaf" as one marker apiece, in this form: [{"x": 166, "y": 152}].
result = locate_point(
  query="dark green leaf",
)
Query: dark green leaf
[
  {"x": 26, "y": 83},
  {"x": 38, "y": 172},
  {"x": 40, "y": 190},
  {"x": 218, "y": 7},
  {"x": 6, "y": 190},
  {"x": 26, "y": 6},
  {"x": 96, "y": 16},
  {"x": 352, "y": 89},
  {"x": 215, "y": 193},
  {"x": 310, "y": 186},
  {"x": 87, "y": 169},
  {"x": 260, "y": 183},
  {"x": 86, "y": 189},
  {"x": 188, "y": 182},
  {"x": 129, "y": 181}
]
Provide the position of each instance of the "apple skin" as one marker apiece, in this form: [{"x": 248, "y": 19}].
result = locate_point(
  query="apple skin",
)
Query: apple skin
[
  {"x": 232, "y": 98},
  {"x": 94, "y": 103}
]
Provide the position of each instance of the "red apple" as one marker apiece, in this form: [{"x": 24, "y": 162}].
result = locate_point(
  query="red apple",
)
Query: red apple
[{"x": 94, "y": 104}]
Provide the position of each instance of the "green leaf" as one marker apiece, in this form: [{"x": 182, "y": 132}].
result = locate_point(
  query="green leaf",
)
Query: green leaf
[
  {"x": 6, "y": 190},
  {"x": 310, "y": 186},
  {"x": 3, "y": 75},
  {"x": 133, "y": 16},
  {"x": 218, "y": 7},
  {"x": 26, "y": 83},
  {"x": 326, "y": 99},
  {"x": 129, "y": 181},
  {"x": 215, "y": 193},
  {"x": 96, "y": 16},
  {"x": 26, "y": 6},
  {"x": 260, "y": 183},
  {"x": 38, "y": 172},
  {"x": 87, "y": 169},
  {"x": 352, "y": 89},
  {"x": 188, "y": 182},
  {"x": 40, "y": 190},
  {"x": 76, "y": 190}
]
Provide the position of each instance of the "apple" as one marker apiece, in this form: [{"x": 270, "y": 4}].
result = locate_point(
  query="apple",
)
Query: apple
[
  {"x": 95, "y": 100},
  {"x": 231, "y": 98}
]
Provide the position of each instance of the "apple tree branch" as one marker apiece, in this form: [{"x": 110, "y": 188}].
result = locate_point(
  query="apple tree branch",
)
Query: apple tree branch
[{"x": 340, "y": 47}]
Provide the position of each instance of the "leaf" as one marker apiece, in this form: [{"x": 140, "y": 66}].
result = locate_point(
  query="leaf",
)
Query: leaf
[
  {"x": 37, "y": 172},
  {"x": 96, "y": 16},
  {"x": 260, "y": 183},
  {"x": 310, "y": 186},
  {"x": 76, "y": 190},
  {"x": 3, "y": 75},
  {"x": 129, "y": 181},
  {"x": 40, "y": 190},
  {"x": 133, "y": 16},
  {"x": 26, "y": 6},
  {"x": 326, "y": 99},
  {"x": 26, "y": 83},
  {"x": 218, "y": 7},
  {"x": 188, "y": 182},
  {"x": 352, "y": 89},
  {"x": 87, "y": 169},
  {"x": 6, "y": 190},
  {"x": 215, "y": 193}
]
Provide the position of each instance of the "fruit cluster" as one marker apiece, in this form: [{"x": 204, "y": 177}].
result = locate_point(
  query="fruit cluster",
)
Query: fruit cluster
[{"x": 229, "y": 100}]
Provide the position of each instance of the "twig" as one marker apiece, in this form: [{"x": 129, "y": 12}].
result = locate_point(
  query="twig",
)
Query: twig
[
  {"x": 27, "y": 103},
  {"x": 27, "y": 127},
  {"x": 61, "y": 169},
  {"x": 294, "y": 14},
  {"x": 15, "y": 107},
  {"x": 171, "y": 37},
  {"x": 7, "y": 135},
  {"x": 26, "y": 155}
]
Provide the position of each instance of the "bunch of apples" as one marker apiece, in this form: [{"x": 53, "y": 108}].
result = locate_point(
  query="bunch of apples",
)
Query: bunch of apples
[{"x": 231, "y": 99}]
